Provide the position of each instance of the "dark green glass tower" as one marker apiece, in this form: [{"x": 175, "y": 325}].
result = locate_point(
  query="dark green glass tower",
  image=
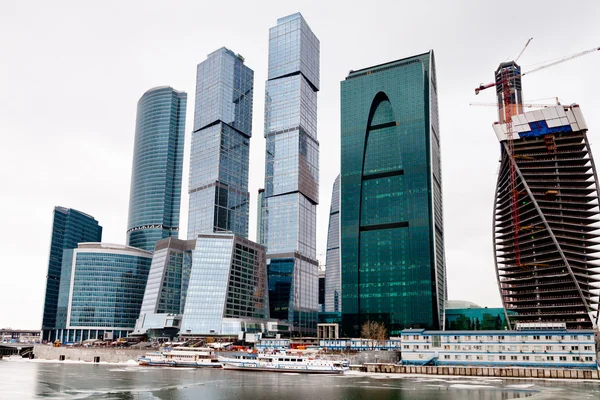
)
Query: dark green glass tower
[{"x": 392, "y": 235}]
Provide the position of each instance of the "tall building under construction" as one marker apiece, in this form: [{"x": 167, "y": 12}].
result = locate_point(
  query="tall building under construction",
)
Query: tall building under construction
[{"x": 546, "y": 212}]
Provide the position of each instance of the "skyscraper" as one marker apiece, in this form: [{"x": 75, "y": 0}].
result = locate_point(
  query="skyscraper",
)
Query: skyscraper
[
  {"x": 155, "y": 194},
  {"x": 292, "y": 172},
  {"x": 333, "y": 281},
  {"x": 69, "y": 228},
  {"x": 218, "y": 186},
  {"x": 545, "y": 243},
  {"x": 392, "y": 235}
]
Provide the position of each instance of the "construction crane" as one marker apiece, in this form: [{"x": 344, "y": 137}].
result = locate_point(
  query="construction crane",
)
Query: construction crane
[
  {"x": 551, "y": 64},
  {"x": 508, "y": 83}
]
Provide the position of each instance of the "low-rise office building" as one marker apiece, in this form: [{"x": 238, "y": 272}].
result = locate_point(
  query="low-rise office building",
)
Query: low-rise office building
[
  {"x": 531, "y": 345},
  {"x": 102, "y": 299}
]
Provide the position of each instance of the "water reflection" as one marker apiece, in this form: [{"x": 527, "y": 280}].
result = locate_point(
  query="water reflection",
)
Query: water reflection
[{"x": 46, "y": 380}]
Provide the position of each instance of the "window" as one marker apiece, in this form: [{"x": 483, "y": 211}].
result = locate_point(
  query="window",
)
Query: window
[
  {"x": 426, "y": 337},
  {"x": 548, "y": 337},
  {"x": 588, "y": 337},
  {"x": 574, "y": 337},
  {"x": 446, "y": 357},
  {"x": 576, "y": 358},
  {"x": 587, "y": 347},
  {"x": 416, "y": 346},
  {"x": 436, "y": 341},
  {"x": 502, "y": 358},
  {"x": 501, "y": 348},
  {"x": 468, "y": 338},
  {"x": 455, "y": 337},
  {"x": 525, "y": 358},
  {"x": 538, "y": 358},
  {"x": 500, "y": 337},
  {"x": 491, "y": 358},
  {"x": 535, "y": 337},
  {"x": 467, "y": 357},
  {"x": 550, "y": 358},
  {"x": 415, "y": 337},
  {"x": 525, "y": 348},
  {"x": 574, "y": 347},
  {"x": 588, "y": 359},
  {"x": 406, "y": 346},
  {"x": 479, "y": 357},
  {"x": 446, "y": 347},
  {"x": 512, "y": 348},
  {"x": 426, "y": 346},
  {"x": 548, "y": 347},
  {"x": 457, "y": 357},
  {"x": 523, "y": 338},
  {"x": 563, "y": 358},
  {"x": 513, "y": 358},
  {"x": 537, "y": 348}
]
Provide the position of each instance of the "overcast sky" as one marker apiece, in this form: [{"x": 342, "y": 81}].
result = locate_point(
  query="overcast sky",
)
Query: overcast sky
[{"x": 71, "y": 73}]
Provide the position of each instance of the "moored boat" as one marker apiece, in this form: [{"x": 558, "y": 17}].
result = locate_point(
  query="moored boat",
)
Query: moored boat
[
  {"x": 197, "y": 357},
  {"x": 284, "y": 362}
]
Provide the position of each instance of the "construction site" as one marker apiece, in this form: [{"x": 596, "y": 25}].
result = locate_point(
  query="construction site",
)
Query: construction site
[{"x": 546, "y": 208}]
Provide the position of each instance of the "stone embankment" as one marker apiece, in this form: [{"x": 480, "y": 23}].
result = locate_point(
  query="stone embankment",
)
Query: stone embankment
[
  {"x": 544, "y": 373},
  {"x": 89, "y": 354}
]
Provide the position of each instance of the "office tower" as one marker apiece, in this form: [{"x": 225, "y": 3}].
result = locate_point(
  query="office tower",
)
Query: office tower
[
  {"x": 545, "y": 242},
  {"x": 166, "y": 290},
  {"x": 218, "y": 183},
  {"x": 292, "y": 173},
  {"x": 155, "y": 194},
  {"x": 333, "y": 282},
  {"x": 227, "y": 292},
  {"x": 105, "y": 291},
  {"x": 392, "y": 234},
  {"x": 260, "y": 231},
  {"x": 69, "y": 227}
]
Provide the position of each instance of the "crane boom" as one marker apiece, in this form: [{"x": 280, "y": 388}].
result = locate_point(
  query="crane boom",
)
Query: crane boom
[{"x": 562, "y": 60}]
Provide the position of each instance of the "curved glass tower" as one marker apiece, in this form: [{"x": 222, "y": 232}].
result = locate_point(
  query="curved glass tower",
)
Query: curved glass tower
[
  {"x": 333, "y": 281},
  {"x": 393, "y": 268},
  {"x": 157, "y": 165}
]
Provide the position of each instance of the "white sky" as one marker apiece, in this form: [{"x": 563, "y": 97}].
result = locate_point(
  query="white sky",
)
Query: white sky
[{"x": 71, "y": 73}]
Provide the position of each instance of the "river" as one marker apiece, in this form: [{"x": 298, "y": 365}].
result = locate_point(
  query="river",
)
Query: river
[{"x": 39, "y": 379}]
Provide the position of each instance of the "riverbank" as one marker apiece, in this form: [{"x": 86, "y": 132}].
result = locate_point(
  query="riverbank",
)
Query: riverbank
[{"x": 533, "y": 373}]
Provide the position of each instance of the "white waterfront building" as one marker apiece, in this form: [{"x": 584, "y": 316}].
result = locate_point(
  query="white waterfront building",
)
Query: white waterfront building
[{"x": 528, "y": 346}]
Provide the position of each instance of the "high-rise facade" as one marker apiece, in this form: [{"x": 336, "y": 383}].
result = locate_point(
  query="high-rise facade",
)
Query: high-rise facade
[
  {"x": 218, "y": 182},
  {"x": 166, "y": 290},
  {"x": 69, "y": 228},
  {"x": 545, "y": 229},
  {"x": 333, "y": 273},
  {"x": 155, "y": 194},
  {"x": 105, "y": 291},
  {"x": 292, "y": 173},
  {"x": 392, "y": 234},
  {"x": 227, "y": 291}
]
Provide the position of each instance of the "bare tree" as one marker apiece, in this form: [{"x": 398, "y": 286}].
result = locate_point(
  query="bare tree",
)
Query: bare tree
[{"x": 374, "y": 330}]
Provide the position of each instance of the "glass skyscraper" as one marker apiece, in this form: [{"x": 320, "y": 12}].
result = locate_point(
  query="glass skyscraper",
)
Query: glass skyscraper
[
  {"x": 292, "y": 173},
  {"x": 227, "y": 292},
  {"x": 392, "y": 234},
  {"x": 218, "y": 183},
  {"x": 333, "y": 282},
  {"x": 105, "y": 291},
  {"x": 69, "y": 228},
  {"x": 155, "y": 194}
]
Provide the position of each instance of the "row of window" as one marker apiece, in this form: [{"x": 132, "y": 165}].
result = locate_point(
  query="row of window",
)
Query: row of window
[
  {"x": 518, "y": 358},
  {"x": 501, "y": 348},
  {"x": 510, "y": 337}
]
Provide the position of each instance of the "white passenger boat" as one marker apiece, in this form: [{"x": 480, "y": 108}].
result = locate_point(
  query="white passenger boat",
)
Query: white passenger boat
[
  {"x": 284, "y": 362},
  {"x": 196, "y": 357}
]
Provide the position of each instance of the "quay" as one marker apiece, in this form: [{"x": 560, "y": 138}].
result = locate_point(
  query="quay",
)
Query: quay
[{"x": 543, "y": 373}]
